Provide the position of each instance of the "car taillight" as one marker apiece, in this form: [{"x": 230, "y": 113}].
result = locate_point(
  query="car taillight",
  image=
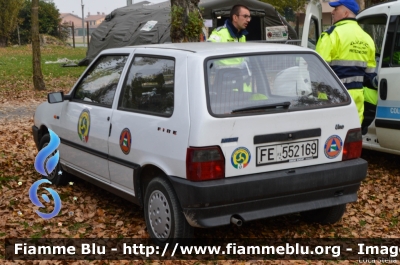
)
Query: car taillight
[
  {"x": 352, "y": 145},
  {"x": 205, "y": 163}
]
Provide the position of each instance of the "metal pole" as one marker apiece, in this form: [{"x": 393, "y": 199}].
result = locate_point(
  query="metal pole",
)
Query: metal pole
[
  {"x": 73, "y": 35},
  {"x": 88, "y": 33},
  {"x": 297, "y": 20},
  {"x": 83, "y": 23}
]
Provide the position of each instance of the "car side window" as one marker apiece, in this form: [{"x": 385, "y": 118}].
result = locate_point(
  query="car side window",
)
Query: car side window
[
  {"x": 149, "y": 86},
  {"x": 99, "y": 84}
]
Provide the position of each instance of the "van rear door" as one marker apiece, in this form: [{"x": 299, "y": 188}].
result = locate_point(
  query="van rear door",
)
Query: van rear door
[
  {"x": 382, "y": 23},
  {"x": 387, "y": 121},
  {"x": 312, "y": 28}
]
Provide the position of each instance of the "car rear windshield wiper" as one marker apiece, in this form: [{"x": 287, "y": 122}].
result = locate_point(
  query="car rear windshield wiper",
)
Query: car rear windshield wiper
[{"x": 284, "y": 105}]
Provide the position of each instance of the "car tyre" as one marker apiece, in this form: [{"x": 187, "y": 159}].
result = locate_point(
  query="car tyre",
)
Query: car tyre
[
  {"x": 163, "y": 214},
  {"x": 328, "y": 215},
  {"x": 54, "y": 177}
]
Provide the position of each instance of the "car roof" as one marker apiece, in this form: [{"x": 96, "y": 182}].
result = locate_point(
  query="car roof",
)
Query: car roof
[{"x": 212, "y": 48}]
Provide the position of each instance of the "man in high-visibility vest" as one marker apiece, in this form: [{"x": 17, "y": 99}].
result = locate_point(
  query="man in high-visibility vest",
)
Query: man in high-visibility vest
[
  {"x": 349, "y": 50},
  {"x": 234, "y": 29}
]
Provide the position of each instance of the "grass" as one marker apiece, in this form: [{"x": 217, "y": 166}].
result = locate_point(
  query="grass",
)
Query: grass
[
  {"x": 38, "y": 234},
  {"x": 4, "y": 180},
  {"x": 394, "y": 222},
  {"x": 76, "y": 226},
  {"x": 16, "y": 67},
  {"x": 78, "y": 40}
]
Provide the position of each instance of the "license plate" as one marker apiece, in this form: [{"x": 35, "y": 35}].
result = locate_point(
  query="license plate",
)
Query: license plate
[{"x": 290, "y": 152}]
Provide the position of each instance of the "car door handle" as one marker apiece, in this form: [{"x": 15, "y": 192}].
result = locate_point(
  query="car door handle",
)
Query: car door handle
[
  {"x": 383, "y": 89},
  {"x": 109, "y": 132}
]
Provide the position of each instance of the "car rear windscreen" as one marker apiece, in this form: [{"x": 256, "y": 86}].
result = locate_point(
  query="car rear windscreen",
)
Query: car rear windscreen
[{"x": 269, "y": 83}]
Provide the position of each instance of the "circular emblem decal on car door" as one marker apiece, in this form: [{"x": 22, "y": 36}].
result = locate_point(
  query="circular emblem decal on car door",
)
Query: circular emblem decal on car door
[
  {"x": 84, "y": 125},
  {"x": 333, "y": 146},
  {"x": 240, "y": 157},
  {"x": 125, "y": 141}
]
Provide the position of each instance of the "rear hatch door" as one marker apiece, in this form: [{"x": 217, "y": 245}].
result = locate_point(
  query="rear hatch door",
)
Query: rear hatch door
[{"x": 274, "y": 111}]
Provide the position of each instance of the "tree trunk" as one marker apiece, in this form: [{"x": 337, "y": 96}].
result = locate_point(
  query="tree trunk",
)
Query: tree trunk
[
  {"x": 186, "y": 26},
  {"x": 38, "y": 82},
  {"x": 3, "y": 41}
]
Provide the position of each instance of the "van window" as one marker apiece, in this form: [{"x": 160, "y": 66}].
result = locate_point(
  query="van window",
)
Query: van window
[
  {"x": 149, "y": 86},
  {"x": 99, "y": 84},
  {"x": 375, "y": 26},
  {"x": 313, "y": 33},
  {"x": 269, "y": 83},
  {"x": 391, "y": 53}
]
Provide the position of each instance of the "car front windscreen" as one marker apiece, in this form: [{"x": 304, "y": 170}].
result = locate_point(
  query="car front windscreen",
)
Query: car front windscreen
[{"x": 269, "y": 83}]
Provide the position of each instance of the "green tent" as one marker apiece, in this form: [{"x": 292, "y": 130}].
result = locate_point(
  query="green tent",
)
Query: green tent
[{"x": 144, "y": 23}]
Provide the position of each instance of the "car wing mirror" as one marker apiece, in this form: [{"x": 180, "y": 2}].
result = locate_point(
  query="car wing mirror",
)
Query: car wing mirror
[{"x": 57, "y": 97}]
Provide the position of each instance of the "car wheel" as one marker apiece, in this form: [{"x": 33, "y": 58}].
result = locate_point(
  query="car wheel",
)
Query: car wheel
[
  {"x": 163, "y": 214},
  {"x": 54, "y": 176},
  {"x": 328, "y": 215}
]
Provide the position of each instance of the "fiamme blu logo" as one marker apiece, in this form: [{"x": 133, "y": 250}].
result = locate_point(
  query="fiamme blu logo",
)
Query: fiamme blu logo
[{"x": 45, "y": 163}]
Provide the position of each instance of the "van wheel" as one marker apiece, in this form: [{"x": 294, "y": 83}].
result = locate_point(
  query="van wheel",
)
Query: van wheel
[
  {"x": 163, "y": 214},
  {"x": 54, "y": 177},
  {"x": 328, "y": 215}
]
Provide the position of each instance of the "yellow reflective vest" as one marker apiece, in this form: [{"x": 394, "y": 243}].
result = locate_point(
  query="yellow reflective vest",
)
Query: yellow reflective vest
[
  {"x": 371, "y": 95},
  {"x": 226, "y": 33},
  {"x": 350, "y": 52}
]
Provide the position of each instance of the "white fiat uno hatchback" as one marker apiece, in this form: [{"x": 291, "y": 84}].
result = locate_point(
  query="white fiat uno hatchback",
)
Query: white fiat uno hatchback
[{"x": 207, "y": 134}]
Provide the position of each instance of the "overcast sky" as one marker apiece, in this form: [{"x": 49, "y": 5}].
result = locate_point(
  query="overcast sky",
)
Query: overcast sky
[{"x": 92, "y": 6}]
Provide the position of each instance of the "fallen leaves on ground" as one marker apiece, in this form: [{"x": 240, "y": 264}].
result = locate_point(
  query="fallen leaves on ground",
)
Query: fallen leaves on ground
[{"x": 90, "y": 212}]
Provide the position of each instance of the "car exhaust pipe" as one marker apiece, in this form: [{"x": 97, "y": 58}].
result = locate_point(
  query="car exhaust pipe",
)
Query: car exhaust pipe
[{"x": 236, "y": 221}]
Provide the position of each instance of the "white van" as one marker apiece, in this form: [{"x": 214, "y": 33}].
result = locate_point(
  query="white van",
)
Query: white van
[{"x": 382, "y": 23}]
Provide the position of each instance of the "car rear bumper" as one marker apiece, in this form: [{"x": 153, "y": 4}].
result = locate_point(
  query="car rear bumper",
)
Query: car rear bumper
[{"x": 257, "y": 196}]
